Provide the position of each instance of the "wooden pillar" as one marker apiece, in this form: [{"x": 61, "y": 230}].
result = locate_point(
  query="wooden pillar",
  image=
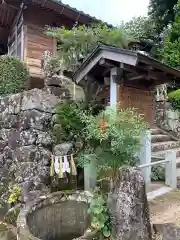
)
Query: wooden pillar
[
  {"x": 113, "y": 87},
  {"x": 90, "y": 174}
]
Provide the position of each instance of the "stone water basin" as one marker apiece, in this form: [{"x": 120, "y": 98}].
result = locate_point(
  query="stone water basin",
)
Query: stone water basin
[{"x": 56, "y": 216}]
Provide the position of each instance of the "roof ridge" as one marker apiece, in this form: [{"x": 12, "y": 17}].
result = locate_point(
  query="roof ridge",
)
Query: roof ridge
[
  {"x": 74, "y": 9},
  {"x": 81, "y": 12}
]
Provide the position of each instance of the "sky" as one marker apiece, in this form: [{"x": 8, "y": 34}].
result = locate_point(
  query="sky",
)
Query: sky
[{"x": 111, "y": 11}]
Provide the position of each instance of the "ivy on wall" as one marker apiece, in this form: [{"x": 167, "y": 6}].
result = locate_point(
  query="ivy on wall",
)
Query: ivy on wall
[{"x": 13, "y": 75}]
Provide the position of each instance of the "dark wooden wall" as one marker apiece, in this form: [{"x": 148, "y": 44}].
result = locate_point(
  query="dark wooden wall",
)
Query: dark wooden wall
[
  {"x": 36, "y": 42},
  {"x": 142, "y": 100}
]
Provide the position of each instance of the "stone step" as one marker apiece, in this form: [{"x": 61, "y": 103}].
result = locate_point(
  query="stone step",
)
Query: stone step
[
  {"x": 155, "y": 131},
  {"x": 160, "y": 146},
  {"x": 162, "y": 153},
  {"x": 177, "y": 165},
  {"x": 159, "y": 192},
  {"x": 160, "y": 138}
]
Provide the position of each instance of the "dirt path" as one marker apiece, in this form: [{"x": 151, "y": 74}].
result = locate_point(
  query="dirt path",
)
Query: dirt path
[{"x": 166, "y": 209}]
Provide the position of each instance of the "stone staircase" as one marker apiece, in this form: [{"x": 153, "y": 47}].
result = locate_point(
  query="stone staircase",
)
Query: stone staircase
[{"x": 161, "y": 142}]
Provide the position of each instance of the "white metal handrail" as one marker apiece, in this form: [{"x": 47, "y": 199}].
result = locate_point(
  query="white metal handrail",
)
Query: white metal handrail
[
  {"x": 169, "y": 160},
  {"x": 153, "y": 163},
  {"x": 170, "y": 169}
]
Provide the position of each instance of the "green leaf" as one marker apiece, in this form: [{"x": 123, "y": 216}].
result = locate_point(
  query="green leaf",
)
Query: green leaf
[
  {"x": 106, "y": 232},
  {"x": 97, "y": 202},
  {"x": 97, "y": 209},
  {"x": 101, "y": 225},
  {"x": 95, "y": 223},
  {"x": 89, "y": 211},
  {"x": 102, "y": 218}
]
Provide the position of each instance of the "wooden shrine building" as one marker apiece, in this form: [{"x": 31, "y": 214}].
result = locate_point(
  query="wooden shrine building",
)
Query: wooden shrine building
[
  {"x": 22, "y": 30},
  {"x": 131, "y": 77}
]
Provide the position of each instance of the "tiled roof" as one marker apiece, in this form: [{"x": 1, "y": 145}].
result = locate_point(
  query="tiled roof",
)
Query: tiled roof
[
  {"x": 75, "y": 9},
  {"x": 147, "y": 60},
  {"x": 79, "y": 12}
]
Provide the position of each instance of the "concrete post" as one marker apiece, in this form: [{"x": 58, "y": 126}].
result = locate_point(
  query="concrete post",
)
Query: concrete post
[
  {"x": 170, "y": 169},
  {"x": 145, "y": 155},
  {"x": 90, "y": 176}
]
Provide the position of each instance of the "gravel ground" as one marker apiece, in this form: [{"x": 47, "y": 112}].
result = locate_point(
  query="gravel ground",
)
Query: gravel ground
[{"x": 166, "y": 209}]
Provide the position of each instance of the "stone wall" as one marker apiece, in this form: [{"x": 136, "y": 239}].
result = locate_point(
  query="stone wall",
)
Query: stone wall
[
  {"x": 167, "y": 118},
  {"x": 63, "y": 87},
  {"x": 24, "y": 136}
]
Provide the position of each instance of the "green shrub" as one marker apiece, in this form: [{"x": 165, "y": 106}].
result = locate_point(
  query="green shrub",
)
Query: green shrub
[
  {"x": 109, "y": 137},
  {"x": 113, "y": 138},
  {"x": 100, "y": 216},
  {"x": 13, "y": 75},
  {"x": 158, "y": 173},
  {"x": 174, "y": 98},
  {"x": 68, "y": 125},
  {"x": 12, "y": 215}
]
